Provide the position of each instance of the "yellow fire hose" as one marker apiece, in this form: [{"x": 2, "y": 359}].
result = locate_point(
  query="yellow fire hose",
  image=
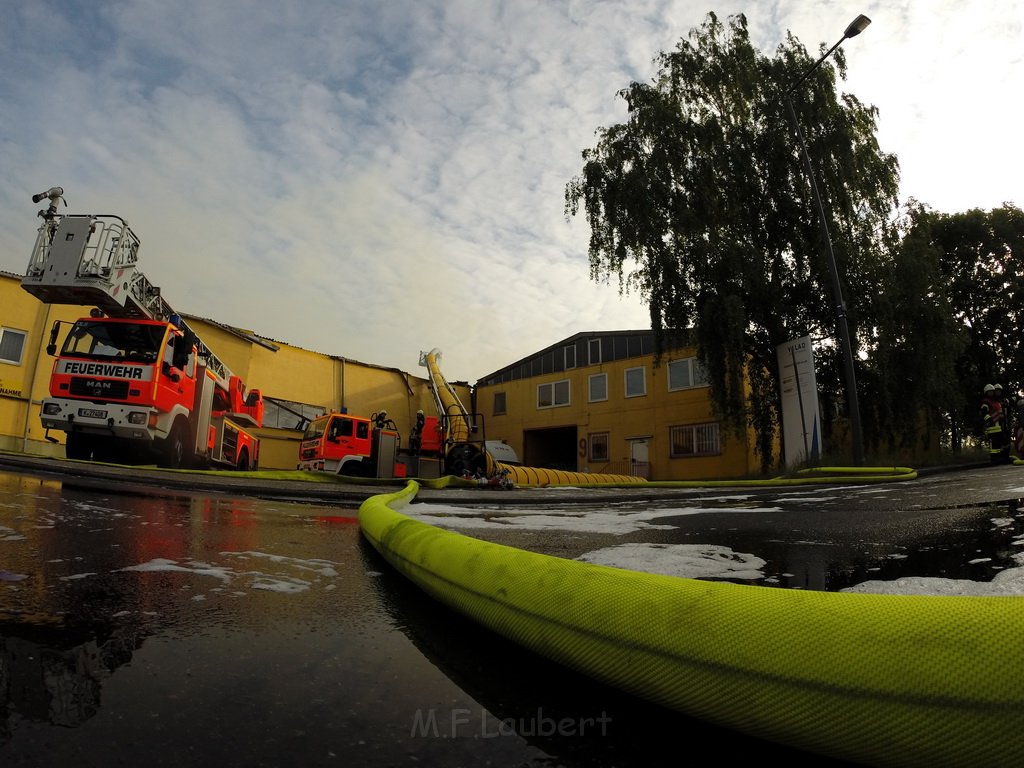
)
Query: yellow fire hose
[
  {"x": 459, "y": 427},
  {"x": 888, "y": 680},
  {"x": 460, "y": 430},
  {"x": 526, "y": 477}
]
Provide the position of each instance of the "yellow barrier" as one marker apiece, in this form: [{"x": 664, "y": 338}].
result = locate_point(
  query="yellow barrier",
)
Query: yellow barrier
[{"x": 885, "y": 680}]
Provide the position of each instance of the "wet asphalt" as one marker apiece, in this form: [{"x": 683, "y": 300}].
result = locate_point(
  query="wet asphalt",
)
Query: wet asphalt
[{"x": 151, "y": 618}]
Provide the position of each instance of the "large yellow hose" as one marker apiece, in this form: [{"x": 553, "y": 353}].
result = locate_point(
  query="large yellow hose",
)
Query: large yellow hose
[
  {"x": 459, "y": 430},
  {"x": 526, "y": 477},
  {"x": 885, "y": 680},
  {"x": 447, "y": 400}
]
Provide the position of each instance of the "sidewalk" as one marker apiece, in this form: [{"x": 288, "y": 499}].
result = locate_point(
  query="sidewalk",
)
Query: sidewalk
[{"x": 353, "y": 492}]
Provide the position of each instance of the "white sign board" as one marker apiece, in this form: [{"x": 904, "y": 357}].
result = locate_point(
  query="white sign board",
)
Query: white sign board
[{"x": 801, "y": 419}]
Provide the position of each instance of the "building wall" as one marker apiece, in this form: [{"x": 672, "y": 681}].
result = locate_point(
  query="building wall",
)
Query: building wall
[
  {"x": 313, "y": 381},
  {"x": 648, "y": 417},
  {"x": 24, "y": 384},
  {"x": 279, "y": 370}
]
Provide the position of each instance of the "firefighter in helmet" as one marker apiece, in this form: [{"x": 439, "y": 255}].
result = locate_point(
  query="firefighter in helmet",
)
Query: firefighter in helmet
[
  {"x": 994, "y": 419},
  {"x": 416, "y": 438}
]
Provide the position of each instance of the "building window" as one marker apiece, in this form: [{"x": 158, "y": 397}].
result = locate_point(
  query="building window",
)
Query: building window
[
  {"x": 598, "y": 446},
  {"x": 694, "y": 440},
  {"x": 636, "y": 382},
  {"x": 285, "y": 414},
  {"x": 686, "y": 374},
  {"x": 598, "y": 386},
  {"x": 553, "y": 394},
  {"x": 594, "y": 351},
  {"x": 499, "y": 404},
  {"x": 12, "y": 345},
  {"x": 570, "y": 357}
]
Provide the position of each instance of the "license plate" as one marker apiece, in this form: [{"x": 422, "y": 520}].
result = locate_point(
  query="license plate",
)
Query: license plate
[{"x": 92, "y": 413}]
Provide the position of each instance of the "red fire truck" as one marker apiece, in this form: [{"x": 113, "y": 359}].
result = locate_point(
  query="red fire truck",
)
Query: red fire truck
[
  {"x": 132, "y": 381},
  {"x": 359, "y": 447},
  {"x": 451, "y": 443}
]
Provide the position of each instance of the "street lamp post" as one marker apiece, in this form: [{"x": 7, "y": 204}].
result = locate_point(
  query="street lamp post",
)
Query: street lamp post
[{"x": 857, "y": 26}]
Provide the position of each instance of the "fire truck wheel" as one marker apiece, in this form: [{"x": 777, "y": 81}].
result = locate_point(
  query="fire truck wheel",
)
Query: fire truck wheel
[
  {"x": 243, "y": 461},
  {"x": 174, "y": 448}
]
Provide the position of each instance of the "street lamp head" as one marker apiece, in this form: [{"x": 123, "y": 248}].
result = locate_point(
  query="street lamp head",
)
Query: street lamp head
[{"x": 857, "y": 26}]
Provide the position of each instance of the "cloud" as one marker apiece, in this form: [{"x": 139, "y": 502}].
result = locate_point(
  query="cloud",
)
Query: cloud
[{"x": 370, "y": 180}]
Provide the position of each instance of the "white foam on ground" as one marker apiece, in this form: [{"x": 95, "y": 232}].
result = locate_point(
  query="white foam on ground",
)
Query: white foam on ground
[
  {"x": 1005, "y": 584},
  {"x": 9, "y": 534},
  {"x": 684, "y": 560},
  {"x": 692, "y": 561},
  {"x": 609, "y": 519},
  {"x": 281, "y": 581},
  {"x": 702, "y": 561}
]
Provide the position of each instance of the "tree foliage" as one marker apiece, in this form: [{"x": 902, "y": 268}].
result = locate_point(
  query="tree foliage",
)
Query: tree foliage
[
  {"x": 917, "y": 341},
  {"x": 980, "y": 258},
  {"x": 700, "y": 202}
]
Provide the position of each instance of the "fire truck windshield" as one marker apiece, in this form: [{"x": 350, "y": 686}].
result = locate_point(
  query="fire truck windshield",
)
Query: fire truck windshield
[
  {"x": 315, "y": 428},
  {"x": 99, "y": 340}
]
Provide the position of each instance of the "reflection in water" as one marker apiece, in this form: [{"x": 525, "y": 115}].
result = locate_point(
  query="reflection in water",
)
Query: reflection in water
[
  {"x": 65, "y": 624},
  {"x": 813, "y": 551},
  {"x": 53, "y": 656},
  {"x": 86, "y": 576},
  {"x": 565, "y": 718},
  {"x": 46, "y": 676},
  {"x": 964, "y": 543},
  {"x": 165, "y": 622}
]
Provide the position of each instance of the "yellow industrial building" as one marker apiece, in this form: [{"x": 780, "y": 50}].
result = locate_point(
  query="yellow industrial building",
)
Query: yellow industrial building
[
  {"x": 594, "y": 402},
  {"x": 599, "y": 402},
  {"x": 297, "y": 384}
]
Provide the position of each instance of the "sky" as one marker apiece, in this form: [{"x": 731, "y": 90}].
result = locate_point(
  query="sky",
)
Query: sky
[{"x": 374, "y": 179}]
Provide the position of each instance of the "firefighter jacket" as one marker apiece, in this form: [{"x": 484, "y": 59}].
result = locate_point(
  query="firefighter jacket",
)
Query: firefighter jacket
[{"x": 992, "y": 414}]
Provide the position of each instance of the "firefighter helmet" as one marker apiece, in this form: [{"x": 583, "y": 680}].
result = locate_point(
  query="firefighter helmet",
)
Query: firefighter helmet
[{"x": 989, "y": 388}]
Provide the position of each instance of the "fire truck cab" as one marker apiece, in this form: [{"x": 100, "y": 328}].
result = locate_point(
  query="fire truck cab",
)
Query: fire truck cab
[{"x": 350, "y": 445}]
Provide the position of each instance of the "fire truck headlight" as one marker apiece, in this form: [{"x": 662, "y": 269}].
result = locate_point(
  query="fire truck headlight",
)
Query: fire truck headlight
[
  {"x": 138, "y": 417},
  {"x": 51, "y": 409}
]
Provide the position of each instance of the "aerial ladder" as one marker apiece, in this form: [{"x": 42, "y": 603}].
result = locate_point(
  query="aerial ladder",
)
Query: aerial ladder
[
  {"x": 92, "y": 260},
  {"x": 177, "y": 394}
]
